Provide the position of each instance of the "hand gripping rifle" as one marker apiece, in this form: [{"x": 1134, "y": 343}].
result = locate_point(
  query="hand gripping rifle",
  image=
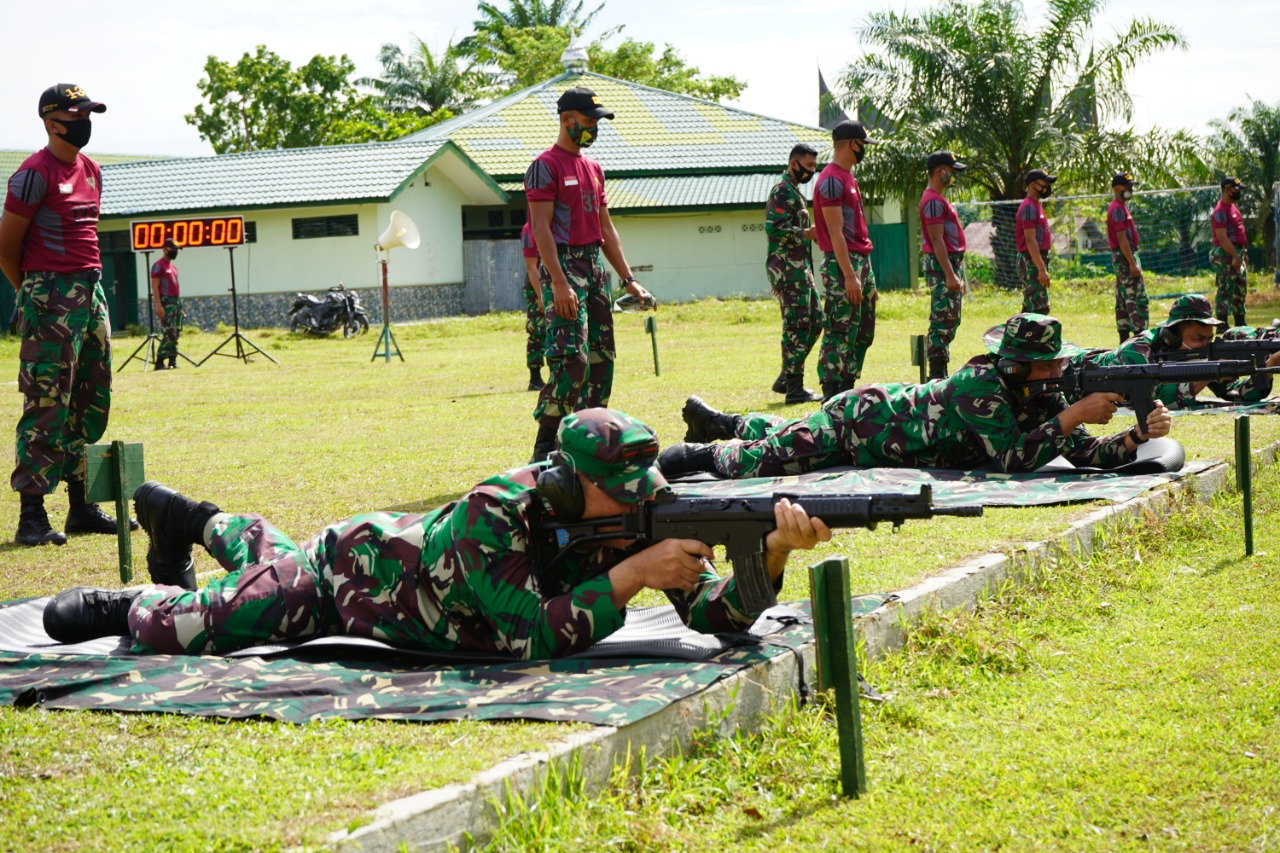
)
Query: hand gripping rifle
[
  {"x": 742, "y": 523},
  {"x": 1137, "y": 382}
]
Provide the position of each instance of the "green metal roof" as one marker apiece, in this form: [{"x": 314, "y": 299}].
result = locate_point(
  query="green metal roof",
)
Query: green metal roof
[
  {"x": 655, "y": 132},
  {"x": 651, "y": 193},
  {"x": 11, "y": 160},
  {"x": 287, "y": 177}
]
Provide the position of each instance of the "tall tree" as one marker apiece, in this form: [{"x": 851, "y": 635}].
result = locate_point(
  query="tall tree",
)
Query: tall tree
[
  {"x": 975, "y": 78},
  {"x": 421, "y": 81},
  {"x": 490, "y": 30},
  {"x": 1247, "y": 144}
]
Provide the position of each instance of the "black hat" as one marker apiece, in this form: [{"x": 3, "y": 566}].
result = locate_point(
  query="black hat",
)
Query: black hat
[
  {"x": 1039, "y": 175},
  {"x": 944, "y": 158},
  {"x": 583, "y": 101},
  {"x": 69, "y": 97},
  {"x": 1123, "y": 179},
  {"x": 851, "y": 130},
  {"x": 1234, "y": 183}
]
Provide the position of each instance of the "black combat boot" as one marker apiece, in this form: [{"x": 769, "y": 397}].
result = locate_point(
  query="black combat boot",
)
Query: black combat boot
[
  {"x": 535, "y": 379},
  {"x": 681, "y": 459},
  {"x": 1222, "y": 318},
  {"x": 797, "y": 393},
  {"x": 708, "y": 424},
  {"x": 173, "y": 362},
  {"x": 830, "y": 389},
  {"x": 85, "y": 517},
  {"x": 780, "y": 384},
  {"x": 544, "y": 443},
  {"x": 160, "y": 365},
  {"x": 33, "y": 524},
  {"x": 1240, "y": 320},
  {"x": 937, "y": 368},
  {"x": 84, "y": 613},
  {"x": 174, "y": 523},
  {"x": 1124, "y": 335}
]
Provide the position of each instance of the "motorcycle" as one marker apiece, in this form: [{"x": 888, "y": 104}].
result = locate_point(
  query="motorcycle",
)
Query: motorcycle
[{"x": 338, "y": 308}]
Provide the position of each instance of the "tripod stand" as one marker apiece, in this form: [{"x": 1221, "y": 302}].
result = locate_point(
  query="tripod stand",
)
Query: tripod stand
[
  {"x": 153, "y": 339},
  {"x": 241, "y": 340},
  {"x": 387, "y": 345}
]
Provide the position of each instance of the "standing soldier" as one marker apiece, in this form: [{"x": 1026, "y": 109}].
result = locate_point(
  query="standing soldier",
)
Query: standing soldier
[
  {"x": 569, "y": 220},
  {"x": 849, "y": 286},
  {"x": 49, "y": 251},
  {"x": 786, "y": 225},
  {"x": 1228, "y": 253},
  {"x": 168, "y": 301},
  {"x": 535, "y": 324},
  {"x": 1122, "y": 237},
  {"x": 1032, "y": 241},
  {"x": 943, "y": 244}
]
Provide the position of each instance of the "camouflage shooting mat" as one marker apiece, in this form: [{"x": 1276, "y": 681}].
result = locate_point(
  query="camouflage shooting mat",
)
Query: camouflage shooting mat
[
  {"x": 653, "y": 661},
  {"x": 1159, "y": 461},
  {"x": 1214, "y": 406}
]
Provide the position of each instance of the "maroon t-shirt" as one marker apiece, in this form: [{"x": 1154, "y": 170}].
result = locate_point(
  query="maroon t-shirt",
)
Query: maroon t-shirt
[
  {"x": 576, "y": 185},
  {"x": 1031, "y": 215},
  {"x": 164, "y": 270},
  {"x": 61, "y": 200},
  {"x": 936, "y": 210},
  {"x": 837, "y": 186},
  {"x": 1118, "y": 220},
  {"x": 1225, "y": 215},
  {"x": 527, "y": 246}
]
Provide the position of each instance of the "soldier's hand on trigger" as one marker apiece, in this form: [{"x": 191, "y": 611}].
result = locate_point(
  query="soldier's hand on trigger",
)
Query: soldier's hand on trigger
[
  {"x": 1097, "y": 408},
  {"x": 565, "y": 300},
  {"x": 673, "y": 564}
]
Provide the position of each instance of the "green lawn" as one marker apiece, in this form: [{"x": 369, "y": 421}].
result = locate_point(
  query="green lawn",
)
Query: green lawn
[{"x": 328, "y": 434}]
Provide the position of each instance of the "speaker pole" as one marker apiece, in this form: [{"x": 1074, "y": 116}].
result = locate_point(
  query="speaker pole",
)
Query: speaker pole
[{"x": 386, "y": 338}]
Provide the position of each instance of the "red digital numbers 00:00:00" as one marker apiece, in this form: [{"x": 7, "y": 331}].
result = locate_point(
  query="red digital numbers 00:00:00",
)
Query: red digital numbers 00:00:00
[{"x": 193, "y": 233}]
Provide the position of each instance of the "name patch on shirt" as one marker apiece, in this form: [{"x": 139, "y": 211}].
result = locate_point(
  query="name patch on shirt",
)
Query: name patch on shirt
[
  {"x": 570, "y": 182},
  {"x": 66, "y": 189}
]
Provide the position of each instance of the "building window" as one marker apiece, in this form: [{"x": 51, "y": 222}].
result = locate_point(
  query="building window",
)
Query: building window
[
  {"x": 495, "y": 219},
  {"x": 114, "y": 241},
  {"x": 250, "y": 232},
  {"x": 325, "y": 226},
  {"x": 518, "y": 217}
]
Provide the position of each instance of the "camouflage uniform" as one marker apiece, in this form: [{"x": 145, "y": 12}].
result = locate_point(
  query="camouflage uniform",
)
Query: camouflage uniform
[
  {"x": 580, "y": 351},
  {"x": 535, "y": 320},
  {"x": 1035, "y": 296},
  {"x": 790, "y": 275},
  {"x": 944, "y": 305},
  {"x": 1132, "y": 314},
  {"x": 848, "y": 330},
  {"x": 171, "y": 324},
  {"x": 1233, "y": 285},
  {"x": 64, "y": 374},
  {"x": 471, "y": 575}
]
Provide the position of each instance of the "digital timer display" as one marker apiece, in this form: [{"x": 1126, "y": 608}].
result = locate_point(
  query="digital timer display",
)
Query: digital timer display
[{"x": 188, "y": 233}]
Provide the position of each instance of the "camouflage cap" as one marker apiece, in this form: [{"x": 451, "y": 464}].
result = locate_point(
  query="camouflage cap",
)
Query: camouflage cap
[
  {"x": 1191, "y": 306},
  {"x": 614, "y": 451},
  {"x": 1029, "y": 337}
]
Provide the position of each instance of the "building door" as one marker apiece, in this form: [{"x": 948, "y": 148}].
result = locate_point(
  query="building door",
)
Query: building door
[
  {"x": 494, "y": 273},
  {"x": 120, "y": 286}
]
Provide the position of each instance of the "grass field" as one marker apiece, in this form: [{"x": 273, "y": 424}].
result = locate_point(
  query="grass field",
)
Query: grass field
[{"x": 328, "y": 434}]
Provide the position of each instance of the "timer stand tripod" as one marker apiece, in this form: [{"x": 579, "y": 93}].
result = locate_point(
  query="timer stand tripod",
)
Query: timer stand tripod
[
  {"x": 241, "y": 340},
  {"x": 153, "y": 340}
]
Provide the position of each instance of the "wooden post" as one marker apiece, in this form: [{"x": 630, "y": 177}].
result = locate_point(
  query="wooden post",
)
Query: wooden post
[
  {"x": 833, "y": 627},
  {"x": 114, "y": 472},
  {"x": 1244, "y": 479}
]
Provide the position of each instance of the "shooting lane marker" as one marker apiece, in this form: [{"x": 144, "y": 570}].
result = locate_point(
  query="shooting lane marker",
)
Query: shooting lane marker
[
  {"x": 114, "y": 472},
  {"x": 651, "y": 326},
  {"x": 1244, "y": 479},
  {"x": 833, "y": 630}
]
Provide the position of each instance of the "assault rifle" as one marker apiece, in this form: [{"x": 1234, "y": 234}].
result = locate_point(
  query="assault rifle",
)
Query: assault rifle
[
  {"x": 1137, "y": 382},
  {"x": 1254, "y": 350},
  {"x": 741, "y": 525}
]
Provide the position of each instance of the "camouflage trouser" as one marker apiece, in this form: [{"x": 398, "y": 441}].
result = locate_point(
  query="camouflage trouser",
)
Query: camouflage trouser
[
  {"x": 1131, "y": 296},
  {"x": 848, "y": 330},
  {"x": 1035, "y": 296},
  {"x": 64, "y": 374},
  {"x": 1232, "y": 284},
  {"x": 276, "y": 590},
  {"x": 535, "y": 323},
  {"x": 771, "y": 447},
  {"x": 801, "y": 319},
  {"x": 172, "y": 326},
  {"x": 944, "y": 305},
  {"x": 579, "y": 351}
]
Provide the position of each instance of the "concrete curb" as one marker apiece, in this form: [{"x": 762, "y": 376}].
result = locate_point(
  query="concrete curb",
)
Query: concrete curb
[{"x": 442, "y": 818}]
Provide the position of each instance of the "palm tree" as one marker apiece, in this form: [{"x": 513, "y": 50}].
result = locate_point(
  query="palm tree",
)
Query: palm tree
[
  {"x": 522, "y": 14},
  {"x": 972, "y": 77},
  {"x": 423, "y": 82},
  {"x": 1247, "y": 144}
]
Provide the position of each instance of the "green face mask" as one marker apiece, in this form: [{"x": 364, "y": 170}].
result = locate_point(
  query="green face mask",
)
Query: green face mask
[{"x": 581, "y": 136}]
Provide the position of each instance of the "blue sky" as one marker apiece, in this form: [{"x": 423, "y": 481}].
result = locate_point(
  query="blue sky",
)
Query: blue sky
[{"x": 143, "y": 57}]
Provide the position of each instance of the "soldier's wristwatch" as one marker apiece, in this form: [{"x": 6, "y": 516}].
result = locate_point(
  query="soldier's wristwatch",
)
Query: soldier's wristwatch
[{"x": 1137, "y": 439}]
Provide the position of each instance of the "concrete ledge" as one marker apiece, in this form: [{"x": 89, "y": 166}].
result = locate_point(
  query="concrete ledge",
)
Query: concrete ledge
[{"x": 438, "y": 819}]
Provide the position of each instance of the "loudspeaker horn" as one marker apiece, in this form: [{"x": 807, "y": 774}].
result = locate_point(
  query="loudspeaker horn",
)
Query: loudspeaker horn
[{"x": 401, "y": 232}]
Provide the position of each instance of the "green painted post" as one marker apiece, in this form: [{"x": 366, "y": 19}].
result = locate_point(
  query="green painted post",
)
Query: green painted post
[
  {"x": 834, "y": 630},
  {"x": 114, "y": 472},
  {"x": 1244, "y": 479},
  {"x": 651, "y": 326},
  {"x": 918, "y": 356}
]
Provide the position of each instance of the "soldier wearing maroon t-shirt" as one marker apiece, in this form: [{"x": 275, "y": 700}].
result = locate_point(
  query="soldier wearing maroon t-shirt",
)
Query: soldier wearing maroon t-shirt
[
  {"x": 1032, "y": 240},
  {"x": 1228, "y": 255},
  {"x": 167, "y": 297},
  {"x": 1122, "y": 237},
  {"x": 535, "y": 324},
  {"x": 942, "y": 244},
  {"x": 49, "y": 252},
  {"x": 849, "y": 305},
  {"x": 569, "y": 219}
]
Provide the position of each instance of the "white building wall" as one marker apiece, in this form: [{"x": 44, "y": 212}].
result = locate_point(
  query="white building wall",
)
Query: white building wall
[{"x": 694, "y": 255}]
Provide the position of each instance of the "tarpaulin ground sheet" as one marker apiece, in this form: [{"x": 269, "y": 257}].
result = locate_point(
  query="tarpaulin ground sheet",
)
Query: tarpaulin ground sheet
[
  {"x": 364, "y": 679},
  {"x": 1211, "y": 406}
]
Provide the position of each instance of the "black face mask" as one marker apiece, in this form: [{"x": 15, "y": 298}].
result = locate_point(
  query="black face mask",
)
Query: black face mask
[
  {"x": 1235, "y": 195},
  {"x": 859, "y": 153},
  {"x": 171, "y": 253},
  {"x": 1046, "y": 192},
  {"x": 801, "y": 175},
  {"x": 78, "y": 132}
]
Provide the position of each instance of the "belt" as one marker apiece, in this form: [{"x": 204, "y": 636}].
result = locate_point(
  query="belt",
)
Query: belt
[{"x": 94, "y": 276}]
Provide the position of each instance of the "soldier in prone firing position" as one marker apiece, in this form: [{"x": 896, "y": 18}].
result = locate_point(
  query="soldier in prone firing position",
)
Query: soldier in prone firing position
[
  {"x": 475, "y": 574},
  {"x": 975, "y": 417}
]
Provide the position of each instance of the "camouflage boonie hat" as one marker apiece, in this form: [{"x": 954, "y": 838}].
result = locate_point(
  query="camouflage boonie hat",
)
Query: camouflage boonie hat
[
  {"x": 1029, "y": 337},
  {"x": 1191, "y": 306},
  {"x": 614, "y": 451}
]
